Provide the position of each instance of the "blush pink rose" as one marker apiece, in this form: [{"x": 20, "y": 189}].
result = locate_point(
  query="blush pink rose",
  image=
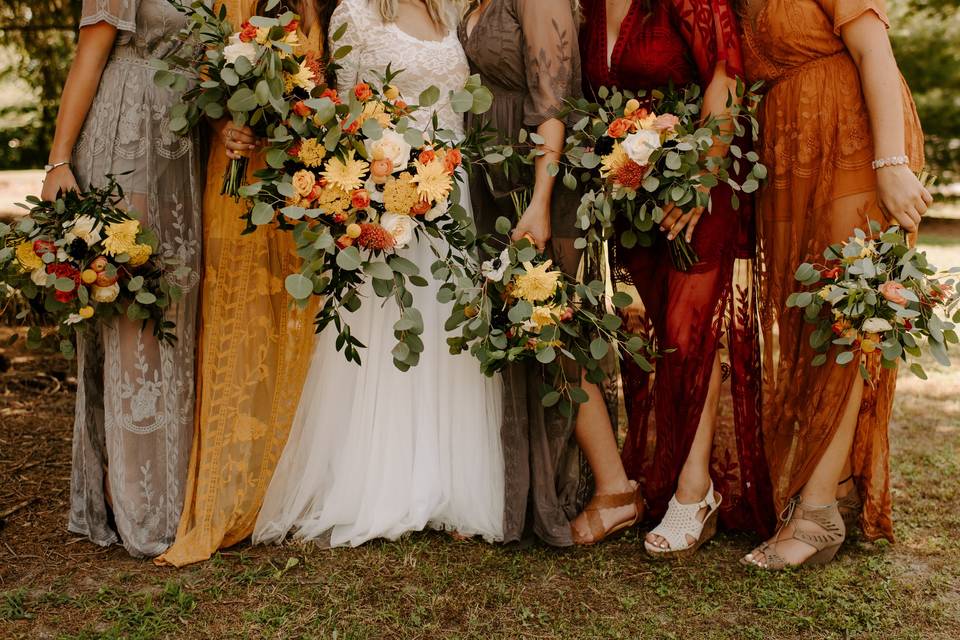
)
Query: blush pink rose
[{"x": 892, "y": 291}]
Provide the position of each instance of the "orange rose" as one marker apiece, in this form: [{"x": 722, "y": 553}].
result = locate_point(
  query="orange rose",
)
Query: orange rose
[
  {"x": 314, "y": 193},
  {"x": 99, "y": 264},
  {"x": 301, "y": 109},
  {"x": 292, "y": 26},
  {"x": 344, "y": 241},
  {"x": 891, "y": 290},
  {"x": 427, "y": 156},
  {"x": 420, "y": 208},
  {"x": 360, "y": 199},
  {"x": 248, "y": 32},
  {"x": 452, "y": 160},
  {"x": 619, "y": 128},
  {"x": 401, "y": 105},
  {"x": 294, "y": 151},
  {"x": 332, "y": 94},
  {"x": 363, "y": 91}
]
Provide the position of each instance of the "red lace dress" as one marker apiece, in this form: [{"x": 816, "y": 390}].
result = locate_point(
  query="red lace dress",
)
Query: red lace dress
[{"x": 680, "y": 42}]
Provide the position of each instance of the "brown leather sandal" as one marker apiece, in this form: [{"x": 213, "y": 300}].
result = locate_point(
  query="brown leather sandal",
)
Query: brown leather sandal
[
  {"x": 609, "y": 501},
  {"x": 850, "y": 506}
]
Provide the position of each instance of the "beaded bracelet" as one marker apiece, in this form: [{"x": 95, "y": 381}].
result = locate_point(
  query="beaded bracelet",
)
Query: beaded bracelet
[{"x": 889, "y": 162}]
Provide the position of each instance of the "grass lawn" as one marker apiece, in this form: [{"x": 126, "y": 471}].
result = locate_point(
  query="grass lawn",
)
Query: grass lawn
[{"x": 53, "y": 585}]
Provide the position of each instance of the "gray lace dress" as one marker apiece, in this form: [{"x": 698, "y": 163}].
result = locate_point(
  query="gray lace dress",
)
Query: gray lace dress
[
  {"x": 526, "y": 53},
  {"x": 135, "y": 396}
]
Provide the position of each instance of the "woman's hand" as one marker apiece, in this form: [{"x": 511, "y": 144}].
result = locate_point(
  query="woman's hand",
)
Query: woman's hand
[
  {"x": 902, "y": 196},
  {"x": 59, "y": 180},
  {"x": 675, "y": 220},
  {"x": 535, "y": 222},
  {"x": 239, "y": 141}
]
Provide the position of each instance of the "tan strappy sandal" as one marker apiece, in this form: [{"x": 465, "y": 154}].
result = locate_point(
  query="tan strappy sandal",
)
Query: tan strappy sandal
[
  {"x": 681, "y": 521},
  {"x": 609, "y": 501},
  {"x": 850, "y": 506},
  {"x": 826, "y": 540}
]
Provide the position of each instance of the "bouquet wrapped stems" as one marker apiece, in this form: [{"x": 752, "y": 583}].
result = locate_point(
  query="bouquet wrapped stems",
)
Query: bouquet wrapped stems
[{"x": 235, "y": 177}]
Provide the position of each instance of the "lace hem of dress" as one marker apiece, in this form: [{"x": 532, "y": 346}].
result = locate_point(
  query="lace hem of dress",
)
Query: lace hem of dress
[{"x": 106, "y": 16}]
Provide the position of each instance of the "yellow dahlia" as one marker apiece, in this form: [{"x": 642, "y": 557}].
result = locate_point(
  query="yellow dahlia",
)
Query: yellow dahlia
[
  {"x": 376, "y": 111},
  {"x": 347, "y": 174},
  {"x": 432, "y": 180},
  {"x": 538, "y": 283},
  {"x": 400, "y": 194},
  {"x": 139, "y": 254},
  {"x": 121, "y": 237},
  {"x": 544, "y": 316},
  {"x": 312, "y": 152},
  {"x": 27, "y": 257}
]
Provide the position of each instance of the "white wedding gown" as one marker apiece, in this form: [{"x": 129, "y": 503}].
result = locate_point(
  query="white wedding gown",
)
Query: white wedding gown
[{"x": 374, "y": 452}]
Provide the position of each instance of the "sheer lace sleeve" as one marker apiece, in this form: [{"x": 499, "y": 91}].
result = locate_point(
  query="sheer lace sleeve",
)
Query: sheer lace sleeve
[
  {"x": 551, "y": 57},
  {"x": 710, "y": 29},
  {"x": 120, "y": 13},
  {"x": 843, "y": 11},
  {"x": 347, "y": 13}
]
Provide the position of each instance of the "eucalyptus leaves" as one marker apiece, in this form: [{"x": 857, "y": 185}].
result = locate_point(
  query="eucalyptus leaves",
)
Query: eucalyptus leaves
[{"x": 874, "y": 293}]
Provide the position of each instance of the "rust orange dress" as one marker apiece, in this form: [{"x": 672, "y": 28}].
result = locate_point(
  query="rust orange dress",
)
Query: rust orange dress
[
  {"x": 253, "y": 358},
  {"x": 817, "y": 144}
]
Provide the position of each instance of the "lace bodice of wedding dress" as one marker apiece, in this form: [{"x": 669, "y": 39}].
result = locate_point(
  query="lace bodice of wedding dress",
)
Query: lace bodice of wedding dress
[{"x": 376, "y": 44}]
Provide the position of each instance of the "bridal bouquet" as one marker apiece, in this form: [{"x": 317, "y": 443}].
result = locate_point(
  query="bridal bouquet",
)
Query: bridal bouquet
[
  {"x": 253, "y": 75},
  {"x": 519, "y": 307},
  {"x": 356, "y": 181},
  {"x": 82, "y": 259},
  {"x": 635, "y": 160},
  {"x": 875, "y": 293}
]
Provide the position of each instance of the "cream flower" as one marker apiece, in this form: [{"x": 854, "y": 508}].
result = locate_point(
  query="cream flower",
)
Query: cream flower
[
  {"x": 347, "y": 174},
  {"x": 304, "y": 79},
  {"x": 438, "y": 211},
  {"x": 494, "y": 269},
  {"x": 432, "y": 180},
  {"x": 303, "y": 183},
  {"x": 400, "y": 227},
  {"x": 40, "y": 277},
  {"x": 640, "y": 145},
  {"x": 391, "y": 146},
  {"x": 106, "y": 294},
  {"x": 88, "y": 229},
  {"x": 139, "y": 254},
  {"x": 542, "y": 316},
  {"x": 121, "y": 237},
  {"x": 237, "y": 49}
]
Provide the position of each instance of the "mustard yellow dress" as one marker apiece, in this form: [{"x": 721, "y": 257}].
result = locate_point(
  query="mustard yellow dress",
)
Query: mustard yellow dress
[{"x": 253, "y": 354}]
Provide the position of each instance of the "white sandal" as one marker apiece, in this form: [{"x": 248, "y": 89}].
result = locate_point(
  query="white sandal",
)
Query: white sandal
[{"x": 681, "y": 521}]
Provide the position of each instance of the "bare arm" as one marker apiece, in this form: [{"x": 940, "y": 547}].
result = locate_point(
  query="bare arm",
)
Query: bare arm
[
  {"x": 900, "y": 193},
  {"x": 536, "y": 219},
  {"x": 93, "y": 50}
]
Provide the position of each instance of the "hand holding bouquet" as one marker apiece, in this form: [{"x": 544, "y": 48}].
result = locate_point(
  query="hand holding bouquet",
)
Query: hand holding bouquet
[
  {"x": 875, "y": 293},
  {"x": 520, "y": 307},
  {"x": 253, "y": 75},
  {"x": 82, "y": 259},
  {"x": 638, "y": 155}
]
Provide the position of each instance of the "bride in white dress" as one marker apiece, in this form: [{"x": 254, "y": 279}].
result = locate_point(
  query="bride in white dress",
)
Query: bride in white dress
[{"x": 374, "y": 452}]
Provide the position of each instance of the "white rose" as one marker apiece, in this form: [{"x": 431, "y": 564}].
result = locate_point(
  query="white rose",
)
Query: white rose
[
  {"x": 106, "y": 294},
  {"x": 641, "y": 144},
  {"x": 40, "y": 277},
  {"x": 875, "y": 325},
  {"x": 494, "y": 269},
  {"x": 391, "y": 146},
  {"x": 438, "y": 211},
  {"x": 237, "y": 49},
  {"x": 73, "y": 318},
  {"x": 87, "y": 228},
  {"x": 400, "y": 227}
]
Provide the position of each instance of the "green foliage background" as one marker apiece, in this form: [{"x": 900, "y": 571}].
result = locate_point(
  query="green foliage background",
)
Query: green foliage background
[{"x": 37, "y": 38}]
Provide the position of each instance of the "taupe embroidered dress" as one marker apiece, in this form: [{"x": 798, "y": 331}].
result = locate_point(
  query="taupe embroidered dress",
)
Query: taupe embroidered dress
[
  {"x": 526, "y": 53},
  {"x": 134, "y": 413}
]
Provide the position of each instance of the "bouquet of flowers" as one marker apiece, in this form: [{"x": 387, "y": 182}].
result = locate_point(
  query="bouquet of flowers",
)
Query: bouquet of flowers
[
  {"x": 252, "y": 74},
  {"x": 357, "y": 182},
  {"x": 875, "y": 293},
  {"x": 519, "y": 307},
  {"x": 637, "y": 154},
  {"x": 83, "y": 258}
]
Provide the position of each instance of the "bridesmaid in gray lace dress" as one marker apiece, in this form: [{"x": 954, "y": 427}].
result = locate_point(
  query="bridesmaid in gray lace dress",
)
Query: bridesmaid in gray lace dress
[
  {"x": 135, "y": 396},
  {"x": 526, "y": 53}
]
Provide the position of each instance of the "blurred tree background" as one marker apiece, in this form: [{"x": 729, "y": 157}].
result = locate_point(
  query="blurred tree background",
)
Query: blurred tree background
[{"x": 37, "y": 37}]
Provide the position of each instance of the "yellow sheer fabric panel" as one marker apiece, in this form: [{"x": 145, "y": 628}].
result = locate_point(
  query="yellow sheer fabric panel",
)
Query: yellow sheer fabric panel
[{"x": 253, "y": 357}]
